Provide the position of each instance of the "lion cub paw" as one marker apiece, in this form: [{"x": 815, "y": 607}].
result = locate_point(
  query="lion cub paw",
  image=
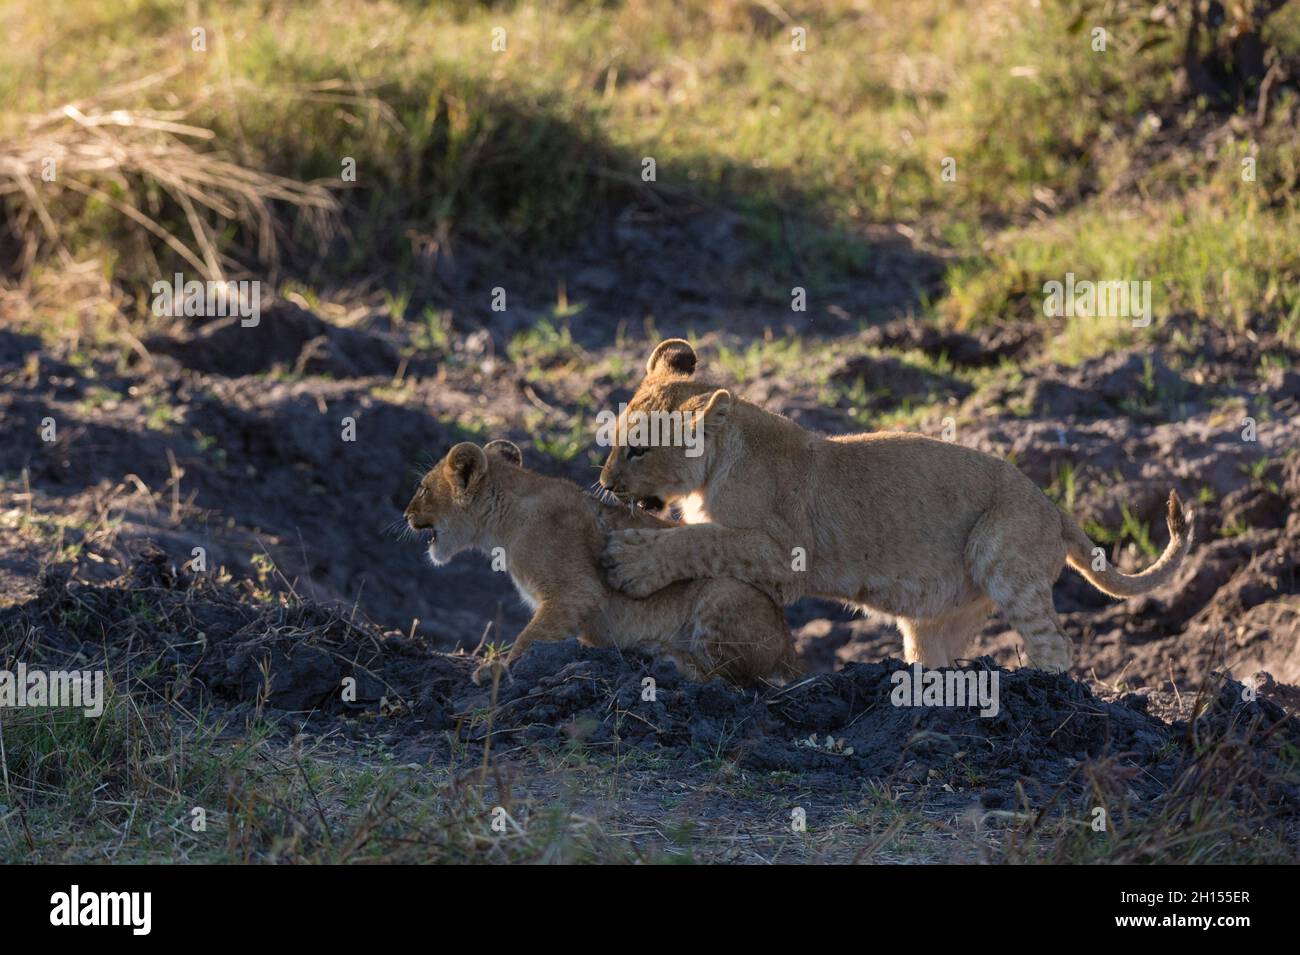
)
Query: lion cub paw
[
  {"x": 1055, "y": 657},
  {"x": 631, "y": 563}
]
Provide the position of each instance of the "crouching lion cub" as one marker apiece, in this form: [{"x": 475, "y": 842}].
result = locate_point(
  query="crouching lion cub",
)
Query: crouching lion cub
[
  {"x": 931, "y": 533},
  {"x": 551, "y": 534}
]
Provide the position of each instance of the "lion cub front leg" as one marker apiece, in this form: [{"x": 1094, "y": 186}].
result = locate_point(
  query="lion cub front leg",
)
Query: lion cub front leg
[
  {"x": 552, "y": 621},
  {"x": 640, "y": 562}
]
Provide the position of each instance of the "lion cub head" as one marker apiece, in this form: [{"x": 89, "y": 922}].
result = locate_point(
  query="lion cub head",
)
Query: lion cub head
[
  {"x": 666, "y": 432},
  {"x": 449, "y": 503}
]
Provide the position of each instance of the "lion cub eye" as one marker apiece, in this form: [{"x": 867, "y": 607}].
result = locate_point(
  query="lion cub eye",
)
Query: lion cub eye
[{"x": 635, "y": 452}]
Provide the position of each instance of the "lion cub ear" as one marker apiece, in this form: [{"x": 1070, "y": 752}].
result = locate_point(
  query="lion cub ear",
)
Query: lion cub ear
[
  {"x": 505, "y": 449},
  {"x": 715, "y": 412},
  {"x": 466, "y": 467},
  {"x": 672, "y": 356}
]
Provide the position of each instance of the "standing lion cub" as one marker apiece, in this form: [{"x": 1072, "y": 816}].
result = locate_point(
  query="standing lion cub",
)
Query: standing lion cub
[
  {"x": 551, "y": 535},
  {"x": 929, "y": 532}
]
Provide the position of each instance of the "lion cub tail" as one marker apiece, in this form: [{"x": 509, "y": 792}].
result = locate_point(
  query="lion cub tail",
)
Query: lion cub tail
[{"x": 1079, "y": 551}]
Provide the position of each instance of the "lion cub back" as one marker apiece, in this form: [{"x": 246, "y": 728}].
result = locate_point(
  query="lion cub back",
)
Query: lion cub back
[{"x": 711, "y": 627}]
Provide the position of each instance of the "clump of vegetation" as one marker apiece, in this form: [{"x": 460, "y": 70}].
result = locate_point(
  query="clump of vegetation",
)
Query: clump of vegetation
[{"x": 405, "y": 125}]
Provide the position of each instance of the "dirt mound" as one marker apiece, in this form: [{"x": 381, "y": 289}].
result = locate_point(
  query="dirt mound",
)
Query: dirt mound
[
  {"x": 890, "y": 382},
  {"x": 252, "y": 466},
  {"x": 286, "y": 336},
  {"x": 236, "y": 648},
  {"x": 263, "y": 468},
  {"x": 980, "y": 348},
  {"x": 195, "y": 639}
]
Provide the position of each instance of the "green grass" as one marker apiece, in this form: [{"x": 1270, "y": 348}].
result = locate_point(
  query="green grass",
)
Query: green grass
[
  {"x": 1221, "y": 258},
  {"x": 762, "y": 358},
  {"x": 126, "y": 787},
  {"x": 1064, "y": 489},
  {"x": 545, "y": 345},
  {"x": 519, "y": 149},
  {"x": 506, "y": 159},
  {"x": 1131, "y": 531},
  {"x": 150, "y": 782},
  {"x": 561, "y": 443}
]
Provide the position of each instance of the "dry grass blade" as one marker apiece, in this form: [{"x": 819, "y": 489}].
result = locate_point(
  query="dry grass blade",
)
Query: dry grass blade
[{"x": 126, "y": 158}]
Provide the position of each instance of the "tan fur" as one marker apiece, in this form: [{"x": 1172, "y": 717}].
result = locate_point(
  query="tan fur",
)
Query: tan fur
[
  {"x": 551, "y": 535},
  {"x": 929, "y": 532}
]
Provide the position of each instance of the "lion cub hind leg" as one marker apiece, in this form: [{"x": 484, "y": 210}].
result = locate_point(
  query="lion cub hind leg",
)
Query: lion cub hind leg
[
  {"x": 1046, "y": 645},
  {"x": 1030, "y": 612},
  {"x": 1016, "y": 565},
  {"x": 942, "y": 640},
  {"x": 739, "y": 633},
  {"x": 658, "y": 624}
]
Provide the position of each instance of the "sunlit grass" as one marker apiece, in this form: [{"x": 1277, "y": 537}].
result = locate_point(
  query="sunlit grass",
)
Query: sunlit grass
[{"x": 520, "y": 146}]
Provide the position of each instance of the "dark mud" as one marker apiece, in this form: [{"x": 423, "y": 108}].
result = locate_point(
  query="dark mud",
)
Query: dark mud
[
  {"x": 216, "y": 436},
  {"x": 232, "y": 652},
  {"x": 230, "y": 438}
]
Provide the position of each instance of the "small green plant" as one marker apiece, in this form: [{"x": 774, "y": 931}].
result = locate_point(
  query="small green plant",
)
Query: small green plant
[
  {"x": 763, "y": 358},
  {"x": 544, "y": 346},
  {"x": 158, "y": 413},
  {"x": 1234, "y": 528},
  {"x": 1256, "y": 470},
  {"x": 264, "y": 567},
  {"x": 1131, "y": 531},
  {"x": 396, "y": 304},
  {"x": 563, "y": 445},
  {"x": 433, "y": 332},
  {"x": 1063, "y": 488}
]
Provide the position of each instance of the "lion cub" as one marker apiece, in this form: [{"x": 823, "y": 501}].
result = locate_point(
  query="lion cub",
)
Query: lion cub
[
  {"x": 551, "y": 535},
  {"x": 931, "y": 533}
]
